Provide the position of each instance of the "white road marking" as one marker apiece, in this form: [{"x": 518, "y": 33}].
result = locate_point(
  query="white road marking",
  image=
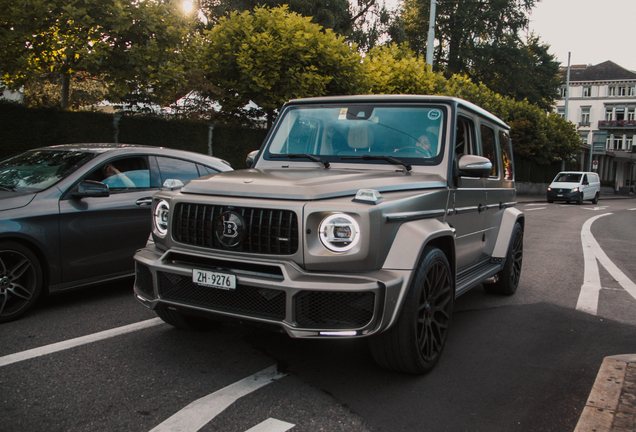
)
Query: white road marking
[
  {"x": 72, "y": 343},
  {"x": 631, "y": 209},
  {"x": 272, "y": 425},
  {"x": 596, "y": 208},
  {"x": 588, "y": 297},
  {"x": 536, "y": 204},
  {"x": 537, "y": 208},
  {"x": 197, "y": 414}
]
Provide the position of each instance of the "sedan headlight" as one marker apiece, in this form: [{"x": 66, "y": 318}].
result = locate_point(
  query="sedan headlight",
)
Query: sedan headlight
[
  {"x": 160, "y": 219},
  {"x": 575, "y": 189},
  {"x": 339, "y": 232}
]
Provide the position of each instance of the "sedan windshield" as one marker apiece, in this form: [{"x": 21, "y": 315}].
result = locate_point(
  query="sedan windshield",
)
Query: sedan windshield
[
  {"x": 353, "y": 133},
  {"x": 36, "y": 170}
]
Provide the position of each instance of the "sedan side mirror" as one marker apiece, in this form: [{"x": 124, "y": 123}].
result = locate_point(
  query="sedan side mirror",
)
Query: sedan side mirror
[
  {"x": 249, "y": 161},
  {"x": 91, "y": 189},
  {"x": 474, "y": 166}
]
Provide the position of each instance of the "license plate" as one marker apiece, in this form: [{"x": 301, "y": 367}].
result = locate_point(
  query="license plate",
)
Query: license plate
[
  {"x": 560, "y": 195},
  {"x": 214, "y": 279}
]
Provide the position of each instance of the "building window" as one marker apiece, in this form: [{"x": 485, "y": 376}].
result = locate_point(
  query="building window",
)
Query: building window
[
  {"x": 622, "y": 91},
  {"x": 629, "y": 142},
  {"x": 608, "y": 143},
  {"x": 585, "y": 116},
  {"x": 562, "y": 92},
  {"x": 609, "y": 114},
  {"x": 611, "y": 91},
  {"x": 618, "y": 142},
  {"x": 631, "y": 114},
  {"x": 587, "y": 91},
  {"x": 561, "y": 112},
  {"x": 631, "y": 90}
]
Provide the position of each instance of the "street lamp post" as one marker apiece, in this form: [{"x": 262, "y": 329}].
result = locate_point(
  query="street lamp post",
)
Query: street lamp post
[{"x": 431, "y": 34}]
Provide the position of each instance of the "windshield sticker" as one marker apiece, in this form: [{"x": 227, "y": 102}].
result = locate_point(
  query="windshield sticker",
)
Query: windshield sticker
[
  {"x": 343, "y": 114},
  {"x": 434, "y": 114}
]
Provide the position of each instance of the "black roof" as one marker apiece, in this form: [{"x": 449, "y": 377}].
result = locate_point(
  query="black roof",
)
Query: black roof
[{"x": 606, "y": 71}]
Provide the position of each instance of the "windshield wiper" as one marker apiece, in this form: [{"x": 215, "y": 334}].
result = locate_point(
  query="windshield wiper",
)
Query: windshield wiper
[
  {"x": 7, "y": 188},
  {"x": 389, "y": 159},
  {"x": 313, "y": 158}
]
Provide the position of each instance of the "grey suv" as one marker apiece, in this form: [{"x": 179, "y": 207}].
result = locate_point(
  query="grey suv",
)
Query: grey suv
[{"x": 361, "y": 216}]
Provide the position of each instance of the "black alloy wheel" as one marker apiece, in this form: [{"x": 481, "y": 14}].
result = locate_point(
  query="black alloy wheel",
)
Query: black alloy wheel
[
  {"x": 416, "y": 341},
  {"x": 20, "y": 280}
]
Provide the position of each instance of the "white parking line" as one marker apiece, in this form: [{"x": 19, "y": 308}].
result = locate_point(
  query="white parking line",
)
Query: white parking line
[
  {"x": 71, "y": 343},
  {"x": 536, "y": 208},
  {"x": 197, "y": 414},
  {"x": 588, "y": 297},
  {"x": 272, "y": 425}
]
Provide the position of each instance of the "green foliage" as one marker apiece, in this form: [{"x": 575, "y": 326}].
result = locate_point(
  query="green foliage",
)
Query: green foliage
[
  {"x": 537, "y": 136},
  {"x": 273, "y": 55},
  {"x": 132, "y": 45},
  {"x": 45, "y": 91}
]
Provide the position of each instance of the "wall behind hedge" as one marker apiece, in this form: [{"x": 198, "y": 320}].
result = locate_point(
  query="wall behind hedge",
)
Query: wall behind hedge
[{"x": 24, "y": 128}]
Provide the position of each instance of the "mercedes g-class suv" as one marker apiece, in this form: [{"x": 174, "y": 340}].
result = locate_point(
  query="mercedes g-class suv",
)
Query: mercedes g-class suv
[{"x": 361, "y": 216}]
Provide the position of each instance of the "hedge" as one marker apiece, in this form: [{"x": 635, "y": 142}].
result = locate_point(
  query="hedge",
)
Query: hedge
[{"x": 24, "y": 128}]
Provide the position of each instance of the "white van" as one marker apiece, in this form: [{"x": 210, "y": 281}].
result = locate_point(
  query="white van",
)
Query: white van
[{"x": 575, "y": 186}]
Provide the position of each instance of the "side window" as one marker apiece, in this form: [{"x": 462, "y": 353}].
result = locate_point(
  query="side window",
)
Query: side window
[
  {"x": 205, "y": 170},
  {"x": 123, "y": 174},
  {"x": 178, "y": 169},
  {"x": 585, "y": 179},
  {"x": 465, "y": 137},
  {"x": 506, "y": 156},
  {"x": 488, "y": 148}
]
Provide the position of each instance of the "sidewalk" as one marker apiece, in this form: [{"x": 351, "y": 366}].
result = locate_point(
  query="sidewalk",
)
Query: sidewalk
[{"x": 611, "y": 406}]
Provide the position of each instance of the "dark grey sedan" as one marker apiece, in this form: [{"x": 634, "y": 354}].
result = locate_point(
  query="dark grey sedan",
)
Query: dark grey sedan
[{"x": 73, "y": 215}]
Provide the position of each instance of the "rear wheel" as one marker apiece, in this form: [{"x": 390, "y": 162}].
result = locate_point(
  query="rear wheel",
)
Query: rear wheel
[
  {"x": 185, "y": 322},
  {"x": 595, "y": 200},
  {"x": 509, "y": 276},
  {"x": 415, "y": 342},
  {"x": 20, "y": 280}
]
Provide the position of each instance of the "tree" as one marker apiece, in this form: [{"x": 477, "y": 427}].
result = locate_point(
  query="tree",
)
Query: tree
[
  {"x": 272, "y": 55},
  {"x": 538, "y": 136},
  {"x": 132, "y": 45}
]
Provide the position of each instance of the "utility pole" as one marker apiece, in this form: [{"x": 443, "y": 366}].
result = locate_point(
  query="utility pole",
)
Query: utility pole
[
  {"x": 567, "y": 102},
  {"x": 431, "y": 34}
]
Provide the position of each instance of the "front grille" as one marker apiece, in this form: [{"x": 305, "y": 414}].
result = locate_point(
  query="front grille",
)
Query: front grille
[
  {"x": 334, "y": 310},
  {"x": 244, "y": 300},
  {"x": 267, "y": 231},
  {"x": 143, "y": 280}
]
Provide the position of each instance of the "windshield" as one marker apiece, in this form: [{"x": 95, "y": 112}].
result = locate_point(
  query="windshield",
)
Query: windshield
[
  {"x": 351, "y": 133},
  {"x": 568, "y": 178},
  {"x": 36, "y": 170}
]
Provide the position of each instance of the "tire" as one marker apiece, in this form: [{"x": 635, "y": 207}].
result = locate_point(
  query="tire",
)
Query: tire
[
  {"x": 185, "y": 322},
  {"x": 550, "y": 201},
  {"x": 20, "y": 280},
  {"x": 509, "y": 276},
  {"x": 595, "y": 200},
  {"x": 579, "y": 200},
  {"x": 416, "y": 341}
]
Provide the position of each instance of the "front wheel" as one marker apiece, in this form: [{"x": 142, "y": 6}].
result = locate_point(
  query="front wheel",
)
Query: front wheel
[
  {"x": 20, "y": 280},
  {"x": 509, "y": 276},
  {"x": 415, "y": 342}
]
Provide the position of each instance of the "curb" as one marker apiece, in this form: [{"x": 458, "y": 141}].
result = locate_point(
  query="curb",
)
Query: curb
[{"x": 611, "y": 406}]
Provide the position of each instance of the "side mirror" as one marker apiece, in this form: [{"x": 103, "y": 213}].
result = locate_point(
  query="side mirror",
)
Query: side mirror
[
  {"x": 91, "y": 189},
  {"x": 172, "y": 184},
  {"x": 249, "y": 161},
  {"x": 474, "y": 166}
]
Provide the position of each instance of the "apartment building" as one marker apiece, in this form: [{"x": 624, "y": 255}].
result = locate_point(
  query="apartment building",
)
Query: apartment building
[{"x": 602, "y": 103}]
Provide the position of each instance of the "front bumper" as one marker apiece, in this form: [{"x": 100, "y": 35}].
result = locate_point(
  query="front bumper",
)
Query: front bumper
[
  {"x": 554, "y": 195},
  {"x": 304, "y": 304}
]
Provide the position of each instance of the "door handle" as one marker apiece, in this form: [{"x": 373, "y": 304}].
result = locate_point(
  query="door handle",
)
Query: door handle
[{"x": 144, "y": 201}]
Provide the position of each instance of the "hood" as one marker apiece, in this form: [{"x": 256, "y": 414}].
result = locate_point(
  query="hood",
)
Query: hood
[
  {"x": 308, "y": 184},
  {"x": 564, "y": 185},
  {"x": 13, "y": 200}
]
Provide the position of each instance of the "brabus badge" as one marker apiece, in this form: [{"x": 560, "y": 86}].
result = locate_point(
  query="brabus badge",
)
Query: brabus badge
[{"x": 230, "y": 229}]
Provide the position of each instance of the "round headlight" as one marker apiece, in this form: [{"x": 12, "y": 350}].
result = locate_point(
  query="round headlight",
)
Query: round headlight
[
  {"x": 162, "y": 210},
  {"x": 339, "y": 232}
]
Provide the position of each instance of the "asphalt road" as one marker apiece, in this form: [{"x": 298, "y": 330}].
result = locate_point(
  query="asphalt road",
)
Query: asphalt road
[{"x": 520, "y": 363}]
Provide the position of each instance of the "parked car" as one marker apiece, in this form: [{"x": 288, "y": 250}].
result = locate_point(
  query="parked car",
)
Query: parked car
[
  {"x": 73, "y": 215},
  {"x": 575, "y": 186},
  {"x": 362, "y": 216}
]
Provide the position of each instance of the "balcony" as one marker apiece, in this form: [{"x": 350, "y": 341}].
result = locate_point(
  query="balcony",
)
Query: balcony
[{"x": 617, "y": 124}]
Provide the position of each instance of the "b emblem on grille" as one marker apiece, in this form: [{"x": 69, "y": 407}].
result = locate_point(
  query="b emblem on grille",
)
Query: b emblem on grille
[{"x": 230, "y": 229}]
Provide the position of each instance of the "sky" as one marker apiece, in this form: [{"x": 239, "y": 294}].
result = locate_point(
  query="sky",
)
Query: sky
[{"x": 593, "y": 31}]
